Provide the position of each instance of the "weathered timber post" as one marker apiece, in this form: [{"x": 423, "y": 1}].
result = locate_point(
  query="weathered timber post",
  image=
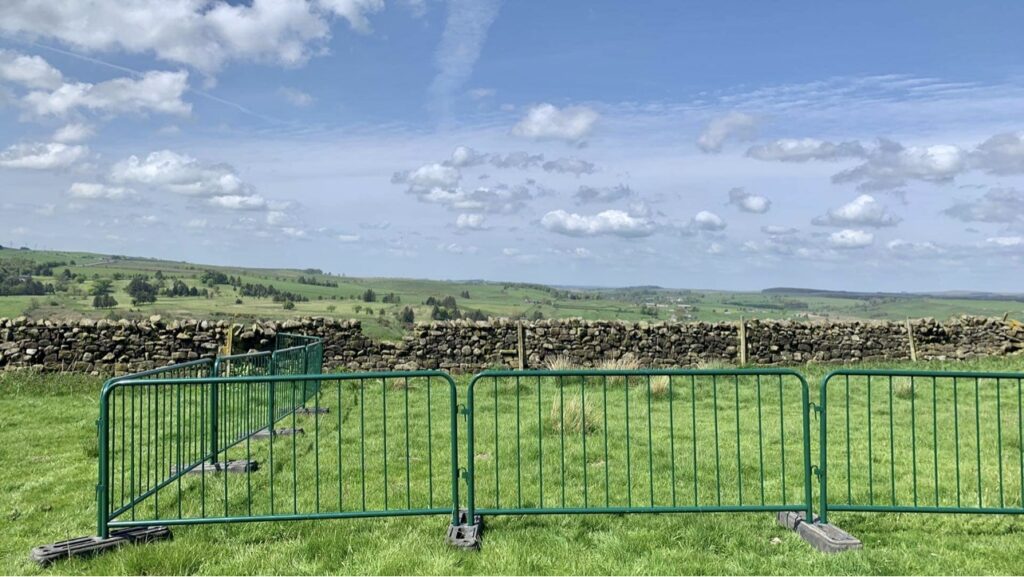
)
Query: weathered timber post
[
  {"x": 743, "y": 341},
  {"x": 910, "y": 337},
  {"x": 521, "y": 347}
]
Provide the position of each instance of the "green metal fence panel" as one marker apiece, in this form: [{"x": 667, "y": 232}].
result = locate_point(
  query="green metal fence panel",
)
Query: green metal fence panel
[
  {"x": 385, "y": 447},
  {"x": 289, "y": 340},
  {"x": 639, "y": 441},
  {"x": 245, "y": 365},
  {"x": 921, "y": 441},
  {"x": 126, "y": 426}
]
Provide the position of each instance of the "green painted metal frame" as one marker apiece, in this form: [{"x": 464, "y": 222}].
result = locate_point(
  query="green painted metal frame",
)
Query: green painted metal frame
[
  {"x": 955, "y": 379},
  {"x": 205, "y": 410},
  {"x": 805, "y": 505},
  {"x": 209, "y": 395},
  {"x": 108, "y": 516}
]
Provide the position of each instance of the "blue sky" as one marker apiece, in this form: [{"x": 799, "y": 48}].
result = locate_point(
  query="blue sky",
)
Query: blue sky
[{"x": 730, "y": 145}]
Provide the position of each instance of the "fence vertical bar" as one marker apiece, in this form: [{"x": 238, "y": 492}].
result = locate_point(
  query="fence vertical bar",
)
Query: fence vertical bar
[{"x": 214, "y": 399}]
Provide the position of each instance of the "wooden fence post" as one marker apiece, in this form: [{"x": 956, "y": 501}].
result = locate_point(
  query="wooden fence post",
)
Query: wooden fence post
[
  {"x": 910, "y": 337},
  {"x": 743, "y": 341},
  {"x": 521, "y": 348}
]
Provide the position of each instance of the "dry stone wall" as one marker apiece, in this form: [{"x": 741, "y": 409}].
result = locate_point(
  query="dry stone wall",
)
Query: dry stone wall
[{"x": 105, "y": 347}]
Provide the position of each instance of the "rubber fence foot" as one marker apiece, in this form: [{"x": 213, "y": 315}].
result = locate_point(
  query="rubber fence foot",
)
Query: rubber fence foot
[
  {"x": 266, "y": 434},
  {"x": 465, "y": 535},
  {"x": 312, "y": 410},
  {"x": 240, "y": 466},
  {"x": 824, "y": 537},
  {"x": 85, "y": 546}
]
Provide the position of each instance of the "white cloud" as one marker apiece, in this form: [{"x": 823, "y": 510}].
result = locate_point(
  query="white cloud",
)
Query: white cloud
[
  {"x": 470, "y": 222},
  {"x": 851, "y": 238},
  {"x": 736, "y": 126},
  {"x": 197, "y": 223},
  {"x": 890, "y": 165},
  {"x": 913, "y": 249},
  {"x": 548, "y": 122},
  {"x": 608, "y": 222},
  {"x": 804, "y": 149},
  {"x": 154, "y": 91},
  {"x": 278, "y": 218},
  {"x": 296, "y": 97},
  {"x": 776, "y": 230},
  {"x": 573, "y": 166},
  {"x": 456, "y": 248},
  {"x": 73, "y": 132},
  {"x": 1001, "y": 154},
  {"x": 501, "y": 198},
  {"x": 521, "y": 160},
  {"x": 602, "y": 194},
  {"x": 49, "y": 209},
  {"x": 999, "y": 205},
  {"x": 1006, "y": 241},
  {"x": 204, "y": 34},
  {"x": 429, "y": 176},
  {"x": 465, "y": 31},
  {"x": 179, "y": 173},
  {"x": 42, "y": 155},
  {"x": 294, "y": 232},
  {"x": 482, "y": 93},
  {"x": 97, "y": 191},
  {"x": 239, "y": 202},
  {"x": 464, "y": 156},
  {"x": 749, "y": 202},
  {"x": 354, "y": 11},
  {"x": 861, "y": 211},
  {"x": 28, "y": 71},
  {"x": 349, "y": 238},
  {"x": 707, "y": 221}
]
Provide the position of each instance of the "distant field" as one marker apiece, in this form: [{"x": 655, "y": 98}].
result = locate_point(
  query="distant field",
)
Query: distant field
[{"x": 344, "y": 298}]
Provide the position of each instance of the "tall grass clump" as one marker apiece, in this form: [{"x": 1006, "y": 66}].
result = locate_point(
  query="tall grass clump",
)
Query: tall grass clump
[
  {"x": 623, "y": 363},
  {"x": 560, "y": 363},
  {"x": 576, "y": 416}
]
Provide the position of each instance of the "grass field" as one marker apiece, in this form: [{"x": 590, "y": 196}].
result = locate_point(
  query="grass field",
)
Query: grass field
[
  {"x": 48, "y": 483},
  {"x": 496, "y": 299}
]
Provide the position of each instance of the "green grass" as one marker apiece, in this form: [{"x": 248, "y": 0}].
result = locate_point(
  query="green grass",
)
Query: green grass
[{"x": 49, "y": 471}]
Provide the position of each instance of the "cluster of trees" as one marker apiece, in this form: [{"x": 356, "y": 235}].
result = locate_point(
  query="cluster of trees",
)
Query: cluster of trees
[
  {"x": 16, "y": 277},
  {"x": 261, "y": 291},
  {"x": 439, "y": 313},
  {"x": 406, "y": 316},
  {"x": 446, "y": 302},
  {"x": 317, "y": 282},
  {"x": 141, "y": 290},
  {"x": 213, "y": 278},
  {"x": 180, "y": 289},
  {"x": 102, "y": 298}
]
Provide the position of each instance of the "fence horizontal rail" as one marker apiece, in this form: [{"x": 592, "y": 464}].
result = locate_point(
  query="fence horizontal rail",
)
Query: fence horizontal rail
[
  {"x": 372, "y": 444},
  {"x": 624, "y": 441},
  {"x": 922, "y": 441}
]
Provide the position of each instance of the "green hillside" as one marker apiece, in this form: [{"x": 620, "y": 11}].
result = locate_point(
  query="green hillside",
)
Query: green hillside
[{"x": 51, "y": 284}]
